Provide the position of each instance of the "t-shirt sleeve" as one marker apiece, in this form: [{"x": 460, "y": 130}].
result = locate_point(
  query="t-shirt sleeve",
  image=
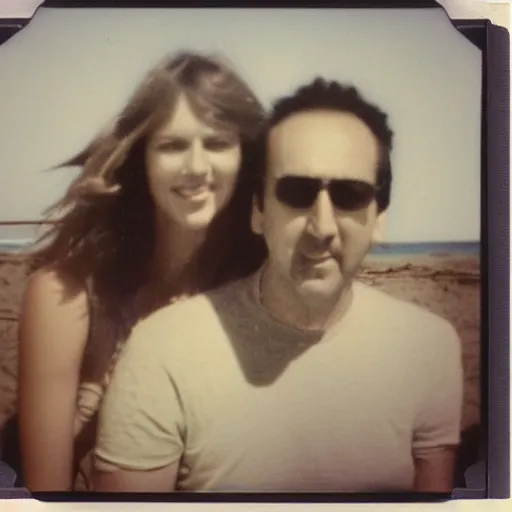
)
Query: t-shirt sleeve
[
  {"x": 438, "y": 419},
  {"x": 141, "y": 423}
]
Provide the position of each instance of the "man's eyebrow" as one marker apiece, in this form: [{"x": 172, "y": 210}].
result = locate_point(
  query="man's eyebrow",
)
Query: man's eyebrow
[{"x": 307, "y": 173}]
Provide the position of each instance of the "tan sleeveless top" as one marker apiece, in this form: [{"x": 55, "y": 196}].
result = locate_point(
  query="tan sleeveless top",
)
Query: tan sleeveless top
[
  {"x": 89, "y": 398},
  {"x": 88, "y": 403}
]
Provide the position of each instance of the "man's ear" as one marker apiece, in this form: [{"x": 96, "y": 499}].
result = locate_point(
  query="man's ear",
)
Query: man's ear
[
  {"x": 256, "y": 217},
  {"x": 379, "y": 229}
]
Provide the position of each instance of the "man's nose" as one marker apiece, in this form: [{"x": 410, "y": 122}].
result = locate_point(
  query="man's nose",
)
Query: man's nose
[
  {"x": 197, "y": 161},
  {"x": 322, "y": 217}
]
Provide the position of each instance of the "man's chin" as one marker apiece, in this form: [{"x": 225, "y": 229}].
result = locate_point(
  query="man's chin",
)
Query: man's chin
[{"x": 320, "y": 290}]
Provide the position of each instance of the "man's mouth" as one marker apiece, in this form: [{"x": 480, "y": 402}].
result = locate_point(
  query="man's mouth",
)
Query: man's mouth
[{"x": 318, "y": 257}]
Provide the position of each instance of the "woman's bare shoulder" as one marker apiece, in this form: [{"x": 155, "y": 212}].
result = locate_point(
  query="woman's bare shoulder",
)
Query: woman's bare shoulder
[
  {"x": 51, "y": 287},
  {"x": 54, "y": 311}
]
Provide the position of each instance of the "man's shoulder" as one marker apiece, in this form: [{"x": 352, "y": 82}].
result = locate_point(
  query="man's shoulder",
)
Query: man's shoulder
[
  {"x": 401, "y": 314},
  {"x": 189, "y": 317},
  {"x": 187, "y": 312}
]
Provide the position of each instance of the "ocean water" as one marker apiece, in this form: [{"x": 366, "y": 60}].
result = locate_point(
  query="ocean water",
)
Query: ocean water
[
  {"x": 14, "y": 245},
  {"x": 463, "y": 248}
]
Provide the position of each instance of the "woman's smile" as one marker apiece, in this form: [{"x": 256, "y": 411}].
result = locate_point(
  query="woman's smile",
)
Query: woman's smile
[{"x": 195, "y": 193}]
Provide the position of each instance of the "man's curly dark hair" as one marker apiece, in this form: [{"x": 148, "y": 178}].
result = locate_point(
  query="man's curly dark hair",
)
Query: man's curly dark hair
[{"x": 321, "y": 94}]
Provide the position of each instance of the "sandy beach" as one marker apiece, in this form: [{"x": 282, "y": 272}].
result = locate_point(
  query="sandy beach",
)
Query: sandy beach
[{"x": 446, "y": 284}]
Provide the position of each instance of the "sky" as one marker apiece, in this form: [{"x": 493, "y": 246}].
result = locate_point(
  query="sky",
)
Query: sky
[{"x": 70, "y": 71}]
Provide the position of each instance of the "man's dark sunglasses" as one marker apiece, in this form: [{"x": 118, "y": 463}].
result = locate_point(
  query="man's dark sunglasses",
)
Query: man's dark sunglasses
[{"x": 301, "y": 192}]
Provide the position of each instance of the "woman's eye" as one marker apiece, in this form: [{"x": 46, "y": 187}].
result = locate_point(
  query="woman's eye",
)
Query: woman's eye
[
  {"x": 174, "y": 145},
  {"x": 218, "y": 144}
]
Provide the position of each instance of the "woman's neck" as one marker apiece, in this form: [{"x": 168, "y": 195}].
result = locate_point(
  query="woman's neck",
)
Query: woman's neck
[{"x": 173, "y": 261}]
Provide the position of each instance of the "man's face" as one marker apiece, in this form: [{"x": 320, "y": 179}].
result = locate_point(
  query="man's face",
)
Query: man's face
[{"x": 315, "y": 251}]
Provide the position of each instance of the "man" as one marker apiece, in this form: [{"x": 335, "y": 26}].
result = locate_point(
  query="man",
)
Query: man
[{"x": 298, "y": 378}]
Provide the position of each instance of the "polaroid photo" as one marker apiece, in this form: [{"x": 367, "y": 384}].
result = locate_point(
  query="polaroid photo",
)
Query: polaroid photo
[{"x": 254, "y": 254}]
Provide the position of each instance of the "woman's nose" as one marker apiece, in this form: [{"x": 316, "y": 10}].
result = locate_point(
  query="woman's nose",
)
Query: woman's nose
[{"x": 198, "y": 162}]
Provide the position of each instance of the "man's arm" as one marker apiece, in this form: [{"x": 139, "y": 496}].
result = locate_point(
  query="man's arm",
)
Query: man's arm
[
  {"x": 141, "y": 426},
  {"x": 434, "y": 470},
  {"x": 438, "y": 423},
  {"x": 120, "y": 480}
]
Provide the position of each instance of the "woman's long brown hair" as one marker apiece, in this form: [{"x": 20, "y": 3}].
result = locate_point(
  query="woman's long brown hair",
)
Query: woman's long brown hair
[{"x": 104, "y": 239}]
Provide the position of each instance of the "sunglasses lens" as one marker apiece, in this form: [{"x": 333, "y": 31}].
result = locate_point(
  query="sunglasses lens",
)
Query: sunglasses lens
[
  {"x": 351, "y": 195},
  {"x": 301, "y": 192},
  {"x": 297, "y": 192}
]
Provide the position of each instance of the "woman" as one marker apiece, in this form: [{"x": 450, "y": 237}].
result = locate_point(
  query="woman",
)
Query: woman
[{"x": 158, "y": 212}]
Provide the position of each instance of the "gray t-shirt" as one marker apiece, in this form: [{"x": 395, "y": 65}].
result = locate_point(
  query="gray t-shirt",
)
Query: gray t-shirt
[{"x": 246, "y": 403}]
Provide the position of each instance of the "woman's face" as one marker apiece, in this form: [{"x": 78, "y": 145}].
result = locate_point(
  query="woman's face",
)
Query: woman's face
[{"x": 192, "y": 168}]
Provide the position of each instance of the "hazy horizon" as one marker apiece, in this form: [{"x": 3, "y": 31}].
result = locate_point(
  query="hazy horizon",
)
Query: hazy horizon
[{"x": 459, "y": 243}]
